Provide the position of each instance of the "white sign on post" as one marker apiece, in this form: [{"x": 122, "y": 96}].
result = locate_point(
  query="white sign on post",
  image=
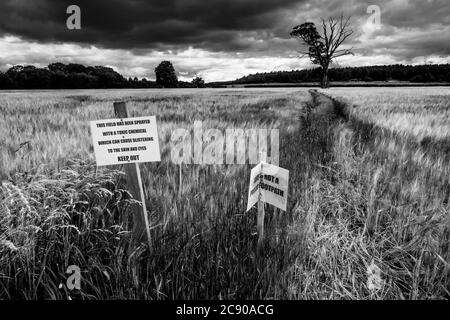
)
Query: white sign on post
[
  {"x": 269, "y": 184},
  {"x": 128, "y": 140},
  {"x": 253, "y": 189}
]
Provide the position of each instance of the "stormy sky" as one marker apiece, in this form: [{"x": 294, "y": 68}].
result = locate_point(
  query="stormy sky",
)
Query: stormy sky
[{"x": 216, "y": 39}]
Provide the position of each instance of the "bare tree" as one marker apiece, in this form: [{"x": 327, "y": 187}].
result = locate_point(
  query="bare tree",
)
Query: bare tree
[{"x": 322, "y": 49}]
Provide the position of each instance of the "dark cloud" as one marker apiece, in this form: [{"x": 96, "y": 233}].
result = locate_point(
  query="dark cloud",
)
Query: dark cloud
[
  {"x": 211, "y": 24},
  {"x": 416, "y": 13}
]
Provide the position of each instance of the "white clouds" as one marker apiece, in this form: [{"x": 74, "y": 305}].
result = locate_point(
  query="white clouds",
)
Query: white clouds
[
  {"x": 406, "y": 44},
  {"x": 213, "y": 66}
]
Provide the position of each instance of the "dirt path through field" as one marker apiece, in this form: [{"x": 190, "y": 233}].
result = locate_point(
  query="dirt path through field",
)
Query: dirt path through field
[{"x": 324, "y": 106}]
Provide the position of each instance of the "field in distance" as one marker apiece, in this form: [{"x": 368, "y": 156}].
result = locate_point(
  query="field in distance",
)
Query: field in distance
[{"x": 367, "y": 213}]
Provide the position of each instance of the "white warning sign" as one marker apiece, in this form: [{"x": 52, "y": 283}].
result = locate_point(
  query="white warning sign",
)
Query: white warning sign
[
  {"x": 128, "y": 140},
  {"x": 268, "y": 183},
  {"x": 253, "y": 189}
]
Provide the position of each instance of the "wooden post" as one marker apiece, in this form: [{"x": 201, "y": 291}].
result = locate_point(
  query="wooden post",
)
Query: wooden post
[
  {"x": 276, "y": 213},
  {"x": 260, "y": 226},
  {"x": 134, "y": 182},
  {"x": 261, "y": 212},
  {"x": 180, "y": 181}
]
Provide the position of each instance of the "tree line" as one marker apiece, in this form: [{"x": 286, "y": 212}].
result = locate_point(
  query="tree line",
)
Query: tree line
[
  {"x": 77, "y": 76},
  {"x": 419, "y": 73}
]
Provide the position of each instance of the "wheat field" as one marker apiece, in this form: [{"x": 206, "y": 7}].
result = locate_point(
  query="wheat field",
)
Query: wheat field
[{"x": 367, "y": 213}]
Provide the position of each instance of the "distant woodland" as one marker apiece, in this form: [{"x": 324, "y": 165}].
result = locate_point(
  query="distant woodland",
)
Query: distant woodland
[
  {"x": 421, "y": 73},
  {"x": 72, "y": 76},
  {"x": 77, "y": 76}
]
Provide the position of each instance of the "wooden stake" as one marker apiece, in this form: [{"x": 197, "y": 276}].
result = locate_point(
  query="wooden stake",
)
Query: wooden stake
[
  {"x": 260, "y": 226},
  {"x": 144, "y": 207},
  {"x": 276, "y": 213},
  {"x": 261, "y": 212},
  {"x": 140, "y": 219},
  {"x": 180, "y": 181}
]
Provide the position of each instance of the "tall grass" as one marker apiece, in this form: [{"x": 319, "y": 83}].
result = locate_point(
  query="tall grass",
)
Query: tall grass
[
  {"x": 388, "y": 196},
  {"x": 364, "y": 220},
  {"x": 203, "y": 242}
]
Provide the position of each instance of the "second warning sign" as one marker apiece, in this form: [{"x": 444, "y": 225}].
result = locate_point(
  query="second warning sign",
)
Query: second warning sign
[
  {"x": 269, "y": 184},
  {"x": 129, "y": 140}
]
